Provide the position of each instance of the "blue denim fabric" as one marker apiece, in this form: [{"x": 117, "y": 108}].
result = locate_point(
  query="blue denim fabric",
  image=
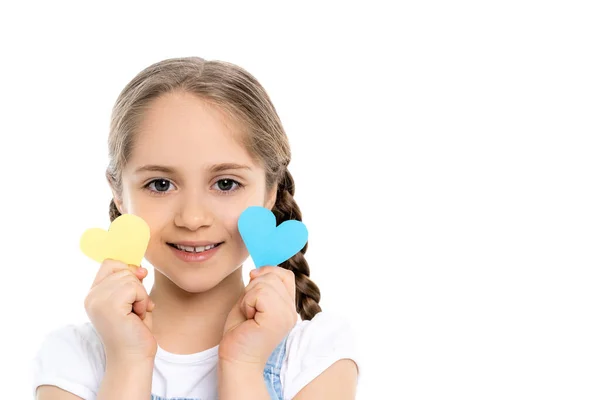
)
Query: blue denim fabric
[
  {"x": 155, "y": 397},
  {"x": 272, "y": 371},
  {"x": 271, "y": 375}
]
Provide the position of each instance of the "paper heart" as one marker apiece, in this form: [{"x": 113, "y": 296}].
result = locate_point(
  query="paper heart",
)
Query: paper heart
[
  {"x": 126, "y": 240},
  {"x": 267, "y": 243}
]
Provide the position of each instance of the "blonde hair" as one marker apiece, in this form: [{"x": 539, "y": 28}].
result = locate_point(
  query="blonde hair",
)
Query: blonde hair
[{"x": 242, "y": 97}]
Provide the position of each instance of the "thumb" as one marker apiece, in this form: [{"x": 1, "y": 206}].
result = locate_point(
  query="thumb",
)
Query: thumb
[
  {"x": 141, "y": 272},
  {"x": 148, "y": 320},
  {"x": 236, "y": 316}
]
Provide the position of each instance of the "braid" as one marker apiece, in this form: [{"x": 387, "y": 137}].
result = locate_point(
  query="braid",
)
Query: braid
[
  {"x": 307, "y": 292},
  {"x": 113, "y": 211}
]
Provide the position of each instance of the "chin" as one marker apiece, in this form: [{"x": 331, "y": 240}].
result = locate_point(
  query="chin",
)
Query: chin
[
  {"x": 197, "y": 281},
  {"x": 194, "y": 281},
  {"x": 195, "y": 287}
]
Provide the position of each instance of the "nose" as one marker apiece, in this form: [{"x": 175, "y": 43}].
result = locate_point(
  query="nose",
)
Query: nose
[{"x": 192, "y": 213}]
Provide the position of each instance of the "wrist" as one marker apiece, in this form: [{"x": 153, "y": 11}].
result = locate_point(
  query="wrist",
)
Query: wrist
[
  {"x": 240, "y": 381},
  {"x": 128, "y": 365},
  {"x": 126, "y": 380},
  {"x": 241, "y": 370},
  {"x": 128, "y": 356}
]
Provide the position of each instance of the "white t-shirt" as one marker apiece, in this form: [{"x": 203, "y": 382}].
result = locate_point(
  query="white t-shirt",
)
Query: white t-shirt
[{"x": 72, "y": 358}]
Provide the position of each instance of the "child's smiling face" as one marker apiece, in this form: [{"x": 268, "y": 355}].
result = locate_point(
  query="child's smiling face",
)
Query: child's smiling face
[{"x": 212, "y": 179}]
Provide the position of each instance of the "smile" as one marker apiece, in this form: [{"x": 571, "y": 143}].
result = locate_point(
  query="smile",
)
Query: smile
[{"x": 194, "y": 250}]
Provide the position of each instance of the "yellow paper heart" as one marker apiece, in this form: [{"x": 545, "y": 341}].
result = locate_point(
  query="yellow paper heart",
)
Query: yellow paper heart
[{"x": 126, "y": 240}]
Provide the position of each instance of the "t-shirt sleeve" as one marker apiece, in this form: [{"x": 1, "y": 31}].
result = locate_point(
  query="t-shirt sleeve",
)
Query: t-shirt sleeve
[
  {"x": 313, "y": 346},
  {"x": 68, "y": 359}
]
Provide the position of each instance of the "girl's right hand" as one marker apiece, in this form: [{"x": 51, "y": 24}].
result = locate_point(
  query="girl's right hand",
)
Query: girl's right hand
[{"x": 121, "y": 311}]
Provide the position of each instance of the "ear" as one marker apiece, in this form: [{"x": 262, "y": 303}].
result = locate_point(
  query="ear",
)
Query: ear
[
  {"x": 118, "y": 203},
  {"x": 117, "y": 199},
  {"x": 271, "y": 198}
]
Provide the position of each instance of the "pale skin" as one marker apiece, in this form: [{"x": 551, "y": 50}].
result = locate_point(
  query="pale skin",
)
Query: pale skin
[{"x": 211, "y": 180}]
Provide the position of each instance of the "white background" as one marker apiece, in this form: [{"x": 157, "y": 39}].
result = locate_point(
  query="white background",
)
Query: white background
[{"x": 446, "y": 159}]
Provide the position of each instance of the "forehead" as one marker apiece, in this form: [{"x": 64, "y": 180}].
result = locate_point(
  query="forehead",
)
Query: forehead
[{"x": 183, "y": 130}]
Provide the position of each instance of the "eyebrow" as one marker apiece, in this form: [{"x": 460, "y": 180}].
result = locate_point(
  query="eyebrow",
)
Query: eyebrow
[
  {"x": 169, "y": 170},
  {"x": 155, "y": 168},
  {"x": 228, "y": 166}
]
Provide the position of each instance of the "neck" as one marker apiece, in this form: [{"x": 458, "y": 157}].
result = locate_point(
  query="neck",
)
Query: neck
[{"x": 186, "y": 323}]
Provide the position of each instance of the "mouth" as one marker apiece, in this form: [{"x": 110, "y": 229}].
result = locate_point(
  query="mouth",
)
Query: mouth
[{"x": 195, "y": 249}]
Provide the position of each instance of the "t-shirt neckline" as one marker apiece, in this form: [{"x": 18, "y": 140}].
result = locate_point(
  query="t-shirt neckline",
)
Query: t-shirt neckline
[{"x": 194, "y": 358}]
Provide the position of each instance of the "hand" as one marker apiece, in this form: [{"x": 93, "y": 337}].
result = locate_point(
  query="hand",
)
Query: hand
[
  {"x": 261, "y": 318},
  {"x": 121, "y": 311}
]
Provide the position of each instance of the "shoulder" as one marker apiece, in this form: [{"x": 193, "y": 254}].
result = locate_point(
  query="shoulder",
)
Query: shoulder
[
  {"x": 73, "y": 340},
  {"x": 70, "y": 357},
  {"x": 313, "y": 346}
]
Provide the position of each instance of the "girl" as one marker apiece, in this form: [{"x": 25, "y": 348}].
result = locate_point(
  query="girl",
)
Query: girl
[{"x": 192, "y": 144}]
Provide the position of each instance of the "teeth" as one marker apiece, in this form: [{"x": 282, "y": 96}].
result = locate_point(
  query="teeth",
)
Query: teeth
[{"x": 198, "y": 249}]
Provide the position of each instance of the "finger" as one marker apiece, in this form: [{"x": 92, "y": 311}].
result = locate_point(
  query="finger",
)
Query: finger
[
  {"x": 247, "y": 308},
  {"x": 141, "y": 307},
  {"x": 147, "y": 320},
  {"x": 287, "y": 277},
  {"x": 108, "y": 267},
  {"x": 274, "y": 282},
  {"x": 138, "y": 307},
  {"x": 129, "y": 294},
  {"x": 258, "y": 300},
  {"x": 139, "y": 272}
]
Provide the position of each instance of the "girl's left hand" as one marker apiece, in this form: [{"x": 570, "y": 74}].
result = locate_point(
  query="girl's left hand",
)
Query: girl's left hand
[{"x": 261, "y": 318}]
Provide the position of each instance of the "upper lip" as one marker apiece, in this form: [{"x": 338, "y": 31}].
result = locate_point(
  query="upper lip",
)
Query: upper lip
[{"x": 195, "y": 244}]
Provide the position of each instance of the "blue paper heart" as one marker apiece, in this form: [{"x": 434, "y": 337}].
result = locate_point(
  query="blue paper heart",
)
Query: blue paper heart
[{"x": 267, "y": 243}]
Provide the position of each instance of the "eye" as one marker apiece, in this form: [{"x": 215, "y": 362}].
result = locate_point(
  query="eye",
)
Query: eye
[
  {"x": 160, "y": 185},
  {"x": 227, "y": 185}
]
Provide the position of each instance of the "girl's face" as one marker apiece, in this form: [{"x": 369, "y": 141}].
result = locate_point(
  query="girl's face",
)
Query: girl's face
[{"x": 190, "y": 179}]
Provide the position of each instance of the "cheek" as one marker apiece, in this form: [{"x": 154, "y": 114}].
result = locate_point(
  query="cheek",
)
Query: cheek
[
  {"x": 227, "y": 217},
  {"x": 227, "y": 212},
  {"x": 156, "y": 217},
  {"x": 157, "y": 225}
]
